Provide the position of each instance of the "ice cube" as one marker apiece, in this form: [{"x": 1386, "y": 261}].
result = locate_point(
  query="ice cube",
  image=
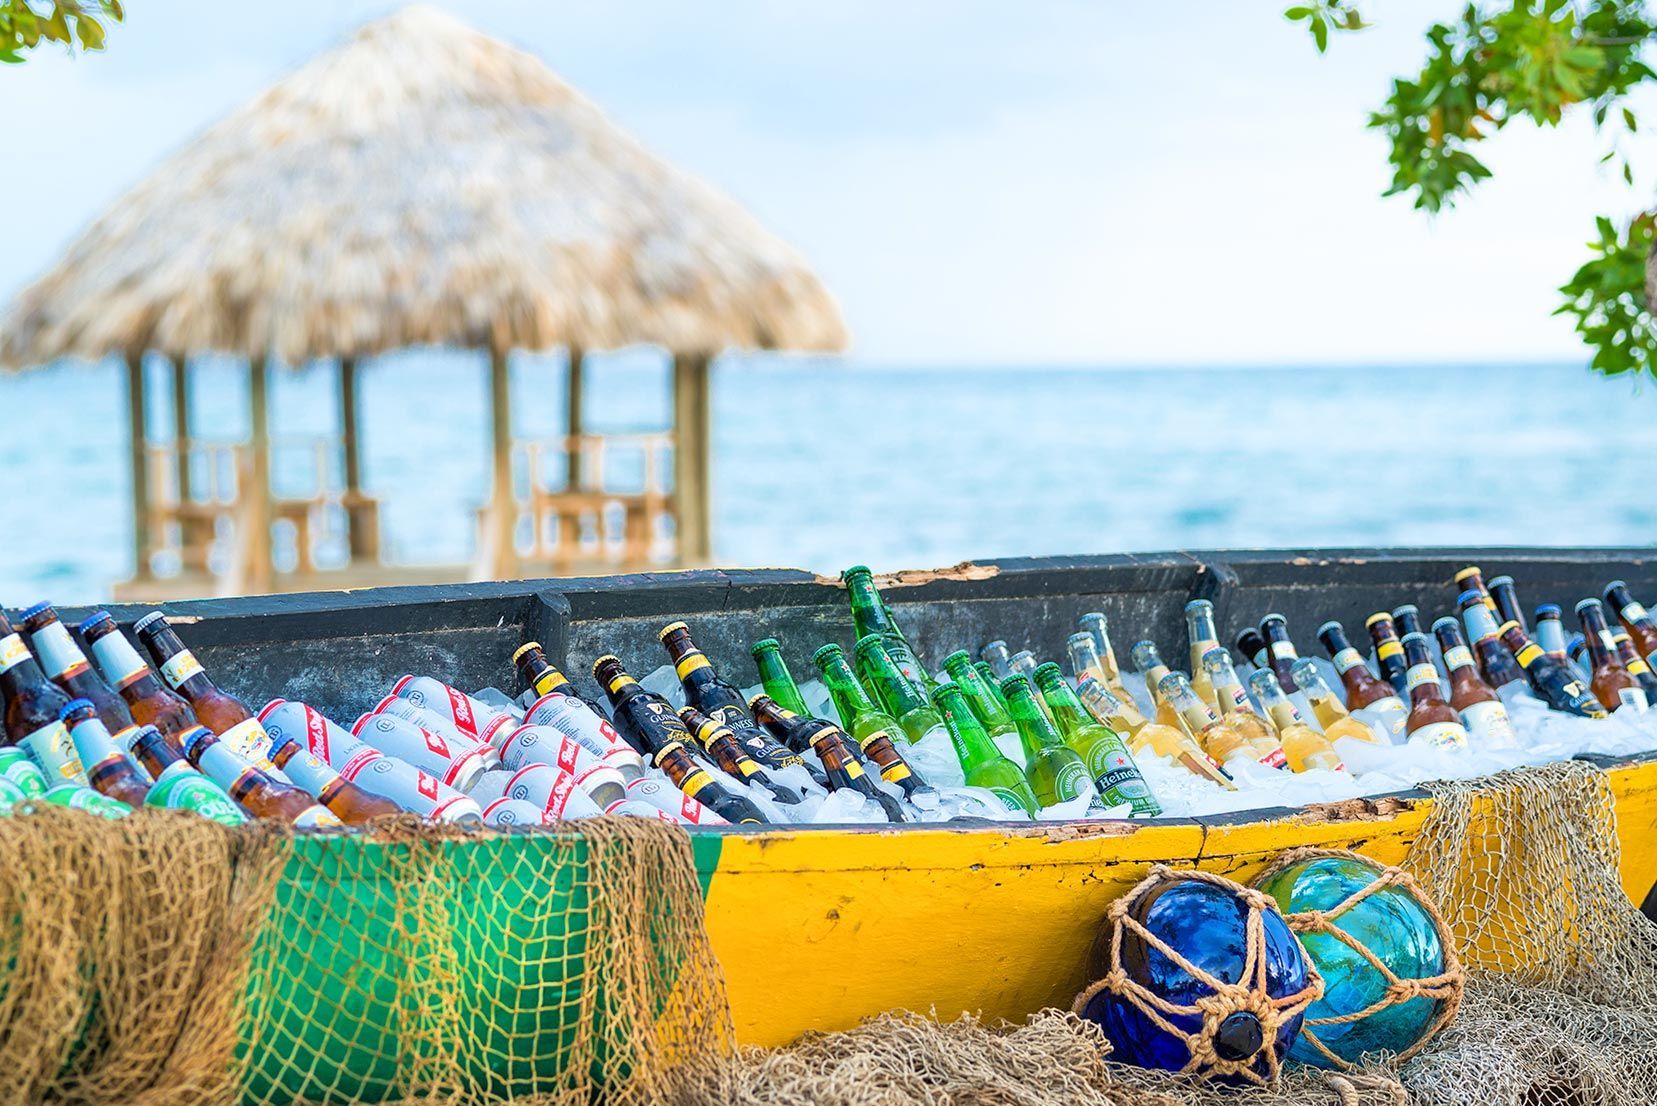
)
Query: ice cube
[
  {"x": 933, "y": 759},
  {"x": 1011, "y": 748},
  {"x": 972, "y": 802},
  {"x": 848, "y": 806},
  {"x": 1067, "y": 811}
]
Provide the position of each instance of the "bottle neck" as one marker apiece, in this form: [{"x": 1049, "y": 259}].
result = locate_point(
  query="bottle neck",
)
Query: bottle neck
[
  {"x": 1421, "y": 680},
  {"x": 177, "y": 665},
  {"x": 972, "y": 744},
  {"x": 154, "y": 753},
  {"x": 777, "y": 680},
  {"x": 1550, "y": 635},
  {"x": 1629, "y": 609},
  {"x": 899, "y": 694},
  {"x": 1068, "y": 712},
  {"x": 19, "y": 674},
  {"x": 1481, "y": 624},
  {"x": 849, "y": 697},
  {"x": 1595, "y": 636},
  {"x": 92, "y": 742},
  {"x": 117, "y": 659},
  {"x": 1199, "y": 627},
  {"x": 1035, "y": 732},
  {"x": 61, "y": 658},
  {"x": 983, "y": 698},
  {"x": 869, "y": 614}
]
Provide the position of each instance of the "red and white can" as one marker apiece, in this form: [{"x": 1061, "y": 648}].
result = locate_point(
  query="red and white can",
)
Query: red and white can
[
  {"x": 316, "y": 733},
  {"x": 513, "y": 812},
  {"x": 636, "y": 809},
  {"x": 544, "y": 745},
  {"x": 553, "y": 791},
  {"x": 579, "y": 722},
  {"x": 456, "y": 762},
  {"x": 672, "y": 802},
  {"x": 415, "y": 791},
  {"x": 468, "y": 717}
]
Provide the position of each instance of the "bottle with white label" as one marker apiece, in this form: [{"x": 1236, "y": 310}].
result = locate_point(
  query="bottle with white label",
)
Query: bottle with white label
[
  {"x": 350, "y": 803},
  {"x": 1550, "y": 632},
  {"x": 1614, "y": 686},
  {"x": 1327, "y": 708},
  {"x": 1432, "y": 721},
  {"x": 108, "y": 769},
  {"x": 258, "y": 792},
  {"x": 1364, "y": 690},
  {"x": 33, "y": 706},
  {"x": 222, "y": 713},
  {"x": 1480, "y": 708},
  {"x": 66, "y": 666},
  {"x": 151, "y": 702},
  {"x": 178, "y": 783}
]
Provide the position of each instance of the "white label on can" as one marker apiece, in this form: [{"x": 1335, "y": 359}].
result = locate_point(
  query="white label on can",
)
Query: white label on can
[
  {"x": 1457, "y": 656},
  {"x": 1633, "y": 697},
  {"x": 12, "y": 651},
  {"x": 180, "y": 667},
  {"x": 54, "y": 751},
  {"x": 57, "y": 650},
  {"x": 1488, "y": 723},
  {"x": 1443, "y": 734}
]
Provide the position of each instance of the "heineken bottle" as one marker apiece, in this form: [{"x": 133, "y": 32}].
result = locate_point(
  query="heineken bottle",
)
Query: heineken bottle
[
  {"x": 1105, "y": 753},
  {"x": 871, "y": 615},
  {"x": 986, "y": 673},
  {"x": 1056, "y": 773},
  {"x": 800, "y": 732},
  {"x": 728, "y": 752},
  {"x": 981, "y": 694},
  {"x": 869, "y": 726},
  {"x": 902, "y": 699},
  {"x": 775, "y": 677},
  {"x": 981, "y": 761}
]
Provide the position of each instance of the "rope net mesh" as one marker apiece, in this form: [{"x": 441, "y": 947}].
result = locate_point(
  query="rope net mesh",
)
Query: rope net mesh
[{"x": 163, "y": 959}]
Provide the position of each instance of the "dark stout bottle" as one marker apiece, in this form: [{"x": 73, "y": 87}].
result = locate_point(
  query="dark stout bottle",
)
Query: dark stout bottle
[
  {"x": 1389, "y": 651},
  {"x": 831, "y": 747},
  {"x": 727, "y": 751},
  {"x": 1495, "y": 661},
  {"x": 1406, "y": 620},
  {"x": 1280, "y": 651},
  {"x": 1554, "y": 681},
  {"x": 540, "y": 675},
  {"x": 1506, "y": 598}
]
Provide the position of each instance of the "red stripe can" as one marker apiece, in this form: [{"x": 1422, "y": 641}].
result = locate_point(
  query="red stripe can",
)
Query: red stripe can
[
  {"x": 469, "y": 718},
  {"x": 456, "y": 762}
]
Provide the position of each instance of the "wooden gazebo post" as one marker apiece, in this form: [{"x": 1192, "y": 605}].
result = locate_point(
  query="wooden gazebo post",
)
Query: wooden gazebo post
[
  {"x": 255, "y": 498},
  {"x": 573, "y": 424},
  {"x": 692, "y": 427},
  {"x": 503, "y": 509},
  {"x": 138, "y": 462},
  {"x": 362, "y": 531}
]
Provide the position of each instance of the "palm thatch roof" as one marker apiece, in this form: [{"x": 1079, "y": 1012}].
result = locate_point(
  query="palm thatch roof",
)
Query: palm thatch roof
[{"x": 422, "y": 183}]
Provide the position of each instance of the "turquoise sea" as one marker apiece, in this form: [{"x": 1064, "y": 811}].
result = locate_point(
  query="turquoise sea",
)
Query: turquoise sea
[{"x": 820, "y": 463}]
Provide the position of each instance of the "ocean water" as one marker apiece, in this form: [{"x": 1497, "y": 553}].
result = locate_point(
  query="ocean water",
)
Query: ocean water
[{"x": 819, "y": 463}]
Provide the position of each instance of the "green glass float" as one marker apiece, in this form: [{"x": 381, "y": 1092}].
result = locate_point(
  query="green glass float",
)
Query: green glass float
[{"x": 1391, "y": 976}]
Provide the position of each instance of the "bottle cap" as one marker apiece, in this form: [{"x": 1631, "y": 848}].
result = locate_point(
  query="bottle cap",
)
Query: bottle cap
[
  {"x": 1577, "y": 642},
  {"x": 73, "y": 706},
  {"x": 1082, "y": 636},
  {"x": 1588, "y": 604},
  {"x": 1470, "y": 570},
  {"x": 1091, "y": 616},
  {"x": 1396, "y": 611},
  {"x": 1170, "y": 684},
  {"x": 866, "y": 643},
  {"x": 856, "y": 570},
  {"x": 1615, "y": 584},
  {"x": 95, "y": 619},
  {"x": 670, "y": 628},
  {"x": 754, "y": 698},
  {"x": 1263, "y": 680},
  {"x": 608, "y": 658},
  {"x": 990, "y": 646},
  {"x": 762, "y": 646},
  {"x": 958, "y": 657},
  {"x": 147, "y": 621},
  {"x": 1471, "y": 595},
  {"x": 1215, "y": 659},
  {"x": 1548, "y": 610},
  {"x": 1047, "y": 670},
  {"x": 524, "y": 648},
  {"x": 1378, "y": 616},
  {"x": 1497, "y": 581},
  {"x": 1015, "y": 680},
  {"x": 1414, "y": 635},
  {"x": 1144, "y": 655},
  {"x": 29, "y": 612},
  {"x": 1198, "y": 605},
  {"x": 1273, "y": 617},
  {"x": 1332, "y": 624},
  {"x": 1446, "y": 623},
  {"x": 826, "y": 652}
]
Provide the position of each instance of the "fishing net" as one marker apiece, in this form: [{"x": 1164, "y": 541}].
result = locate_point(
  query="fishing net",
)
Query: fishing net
[{"x": 164, "y": 959}]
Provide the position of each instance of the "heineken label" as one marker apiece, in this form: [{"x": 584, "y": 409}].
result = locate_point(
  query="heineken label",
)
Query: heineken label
[
  {"x": 18, "y": 769},
  {"x": 1010, "y": 800},
  {"x": 183, "y": 788},
  {"x": 1444, "y": 734},
  {"x": 52, "y": 749},
  {"x": 1489, "y": 723},
  {"x": 57, "y": 650},
  {"x": 1347, "y": 659},
  {"x": 1457, "y": 656},
  {"x": 180, "y": 667},
  {"x": 12, "y": 651},
  {"x": 78, "y": 797}
]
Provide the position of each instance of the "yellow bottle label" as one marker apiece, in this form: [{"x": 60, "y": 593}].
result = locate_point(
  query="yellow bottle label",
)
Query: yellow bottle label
[
  {"x": 180, "y": 667},
  {"x": 1388, "y": 648},
  {"x": 1528, "y": 654},
  {"x": 621, "y": 681},
  {"x": 695, "y": 782},
  {"x": 691, "y": 662}
]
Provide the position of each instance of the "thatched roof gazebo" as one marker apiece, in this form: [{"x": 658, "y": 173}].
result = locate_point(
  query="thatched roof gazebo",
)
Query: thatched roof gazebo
[{"x": 421, "y": 184}]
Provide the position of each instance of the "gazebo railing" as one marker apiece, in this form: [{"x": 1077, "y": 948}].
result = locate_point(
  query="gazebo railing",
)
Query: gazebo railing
[{"x": 596, "y": 500}]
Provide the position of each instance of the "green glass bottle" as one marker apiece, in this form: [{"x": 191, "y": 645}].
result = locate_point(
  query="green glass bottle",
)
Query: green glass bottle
[
  {"x": 775, "y": 677},
  {"x": 986, "y": 672},
  {"x": 982, "y": 696},
  {"x": 872, "y": 728},
  {"x": 888, "y": 686},
  {"x": 981, "y": 761},
  {"x": 1108, "y": 760},
  {"x": 871, "y": 615},
  {"x": 1055, "y": 771}
]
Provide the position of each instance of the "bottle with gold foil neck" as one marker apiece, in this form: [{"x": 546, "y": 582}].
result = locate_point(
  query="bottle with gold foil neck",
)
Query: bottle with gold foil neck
[
  {"x": 1220, "y": 740},
  {"x": 714, "y": 697},
  {"x": 1147, "y": 738},
  {"x": 1472, "y": 579},
  {"x": 1305, "y": 748},
  {"x": 1199, "y": 630},
  {"x": 540, "y": 675},
  {"x": 1389, "y": 650},
  {"x": 1149, "y": 664},
  {"x": 727, "y": 752},
  {"x": 1613, "y": 685},
  {"x": 1236, "y": 709},
  {"x": 1327, "y": 708},
  {"x": 844, "y": 770},
  {"x": 1554, "y": 681}
]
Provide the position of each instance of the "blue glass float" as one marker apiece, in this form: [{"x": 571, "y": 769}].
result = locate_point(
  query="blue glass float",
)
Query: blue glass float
[
  {"x": 1207, "y": 924},
  {"x": 1392, "y": 924}
]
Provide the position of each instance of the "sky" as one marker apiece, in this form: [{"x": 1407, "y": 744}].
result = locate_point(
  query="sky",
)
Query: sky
[{"x": 977, "y": 182}]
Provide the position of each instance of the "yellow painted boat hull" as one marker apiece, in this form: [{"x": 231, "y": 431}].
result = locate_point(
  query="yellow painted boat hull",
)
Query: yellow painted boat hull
[{"x": 821, "y": 928}]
